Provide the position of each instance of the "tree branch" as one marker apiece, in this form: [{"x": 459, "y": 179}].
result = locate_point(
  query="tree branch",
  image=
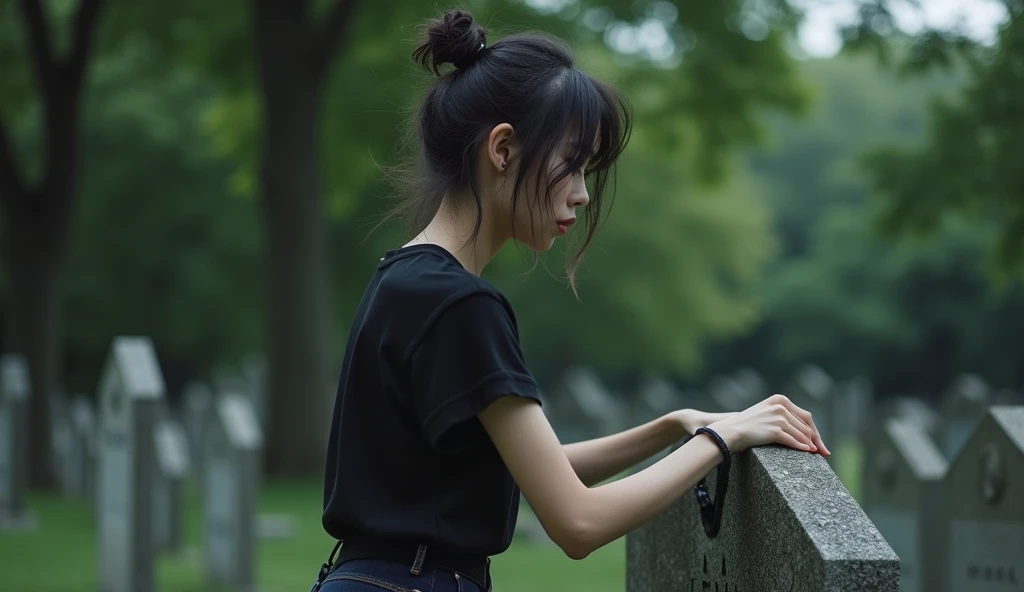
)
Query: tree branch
[
  {"x": 11, "y": 185},
  {"x": 39, "y": 39},
  {"x": 331, "y": 35},
  {"x": 85, "y": 25}
]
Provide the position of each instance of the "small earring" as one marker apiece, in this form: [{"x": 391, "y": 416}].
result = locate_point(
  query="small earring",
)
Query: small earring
[{"x": 502, "y": 165}]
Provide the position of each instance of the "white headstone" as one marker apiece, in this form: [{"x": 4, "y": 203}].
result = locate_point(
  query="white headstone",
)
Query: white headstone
[
  {"x": 15, "y": 391},
  {"x": 231, "y": 487},
  {"x": 131, "y": 390},
  {"x": 172, "y": 466}
]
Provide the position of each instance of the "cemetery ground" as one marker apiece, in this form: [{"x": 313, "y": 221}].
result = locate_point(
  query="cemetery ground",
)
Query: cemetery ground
[{"x": 61, "y": 555}]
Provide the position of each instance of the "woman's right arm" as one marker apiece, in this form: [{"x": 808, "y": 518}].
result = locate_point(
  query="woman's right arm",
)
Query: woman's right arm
[{"x": 581, "y": 519}]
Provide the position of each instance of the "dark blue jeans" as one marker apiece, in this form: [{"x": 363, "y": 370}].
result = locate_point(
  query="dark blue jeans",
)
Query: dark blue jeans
[{"x": 376, "y": 575}]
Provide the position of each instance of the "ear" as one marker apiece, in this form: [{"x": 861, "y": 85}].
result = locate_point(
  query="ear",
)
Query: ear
[{"x": 502, "y": 147}]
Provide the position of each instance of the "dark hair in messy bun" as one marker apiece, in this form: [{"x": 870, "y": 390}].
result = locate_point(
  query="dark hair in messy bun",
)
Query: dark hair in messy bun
[
  {"x": 452, "y": 39},
  {"x": 530, "y": 81}
]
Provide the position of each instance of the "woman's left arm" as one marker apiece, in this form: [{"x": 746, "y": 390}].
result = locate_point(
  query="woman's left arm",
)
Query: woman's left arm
[{"x": 601, "y": 458}]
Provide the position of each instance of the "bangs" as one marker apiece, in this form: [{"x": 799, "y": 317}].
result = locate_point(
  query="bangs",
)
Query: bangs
[
  {"x": 593, "y": 118},
  {"x": 599, "y": 129}
]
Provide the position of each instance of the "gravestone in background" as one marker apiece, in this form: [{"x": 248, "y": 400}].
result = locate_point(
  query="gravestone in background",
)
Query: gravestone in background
[
  {"x": 963, "y": 406},
  {"x": 983, "y": 506},
  {"x": 587, "y": 408},
  {"x": 726, "y": 394},
  {"x": 231, "y": 488},
  {"x": 655, "y": 396},
  {"x": 789, "y": 524},
  {"x": 171, "y": 468},
  {"x": 15, "y": 391},
  {"x": 902, "y": 496},
  {"x": 752, "y": 384},
  {"x": 854, "y": 410},
  {"x": 197, "y": 406},
  {"x": 82, "y": 472},
  {"x": 812, "y": 389},
  {"x": 913, "y": 409},
  {"x": 131, "y": 390}
]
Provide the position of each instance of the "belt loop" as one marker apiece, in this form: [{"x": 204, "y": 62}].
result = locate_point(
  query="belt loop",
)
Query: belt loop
[
  {"x": 417, "y": 565},
  {"x": 488, "y": 583}
]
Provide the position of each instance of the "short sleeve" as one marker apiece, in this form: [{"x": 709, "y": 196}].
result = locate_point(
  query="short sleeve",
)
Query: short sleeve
[{"x": 467, "y": 358}]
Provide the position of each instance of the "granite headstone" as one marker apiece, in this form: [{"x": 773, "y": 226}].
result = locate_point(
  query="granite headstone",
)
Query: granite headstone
[
  {"x": 789, "y": 524},
  {"x": 983, "y": 506},
  {"x": 131, "y": 390},
  {"x": 902, "y": 496}
]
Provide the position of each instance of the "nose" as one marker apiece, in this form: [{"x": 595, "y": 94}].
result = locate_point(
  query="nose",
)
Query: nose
[{"x": 580, "y": 198}]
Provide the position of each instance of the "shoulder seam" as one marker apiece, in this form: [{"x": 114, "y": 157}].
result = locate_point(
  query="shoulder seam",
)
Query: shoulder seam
[{"x": 445, "y": 305}]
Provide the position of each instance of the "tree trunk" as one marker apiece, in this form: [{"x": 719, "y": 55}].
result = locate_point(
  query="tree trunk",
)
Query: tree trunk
[
  {"x": 298, "y": 319},
  {"x": 33, "y": 330},
  {"x": 36, "y": 219}
]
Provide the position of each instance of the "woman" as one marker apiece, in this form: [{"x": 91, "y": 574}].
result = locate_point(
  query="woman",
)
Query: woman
[{"x": 437, "y": 425}]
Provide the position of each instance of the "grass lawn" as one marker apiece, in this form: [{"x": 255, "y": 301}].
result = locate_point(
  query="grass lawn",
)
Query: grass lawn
[{"x": 60, "y": 556}]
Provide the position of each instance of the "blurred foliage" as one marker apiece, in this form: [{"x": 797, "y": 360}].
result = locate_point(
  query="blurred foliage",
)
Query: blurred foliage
[
  {"x": 910, "y": 314},
  {"x": 673, "y": 267},
  {"x": 168, "y": 240},
  {"x": 158, "y": 248},
  {"x": 970, "y": 164}
]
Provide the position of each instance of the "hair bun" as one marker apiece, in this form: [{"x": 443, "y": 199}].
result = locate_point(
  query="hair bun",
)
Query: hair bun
[{"x": 452, "y": 39}]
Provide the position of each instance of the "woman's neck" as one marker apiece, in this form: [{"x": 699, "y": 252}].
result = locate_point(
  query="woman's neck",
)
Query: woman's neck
[{"x": 452, "y": 228}]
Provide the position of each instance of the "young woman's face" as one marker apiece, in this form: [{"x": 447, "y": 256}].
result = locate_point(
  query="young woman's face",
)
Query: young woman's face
[{"x": 537, "y": 223}]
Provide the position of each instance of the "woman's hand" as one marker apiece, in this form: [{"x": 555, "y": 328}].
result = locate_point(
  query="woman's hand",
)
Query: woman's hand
[{"x": 776, "y": 420}]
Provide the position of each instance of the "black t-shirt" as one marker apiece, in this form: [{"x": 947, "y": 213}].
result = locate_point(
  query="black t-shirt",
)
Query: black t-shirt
[{"x": 430, "y": 347}]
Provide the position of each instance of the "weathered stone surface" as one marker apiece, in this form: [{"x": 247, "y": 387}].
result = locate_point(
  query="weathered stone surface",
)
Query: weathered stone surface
[
  {"x": 983, "y": 506},
  {"x": 789, "y": 525},
  {"x": 902, "y": 496}
]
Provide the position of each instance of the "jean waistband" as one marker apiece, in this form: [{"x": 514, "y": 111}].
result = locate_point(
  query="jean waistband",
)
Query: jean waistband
[{"x": 361, "y": 546}]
